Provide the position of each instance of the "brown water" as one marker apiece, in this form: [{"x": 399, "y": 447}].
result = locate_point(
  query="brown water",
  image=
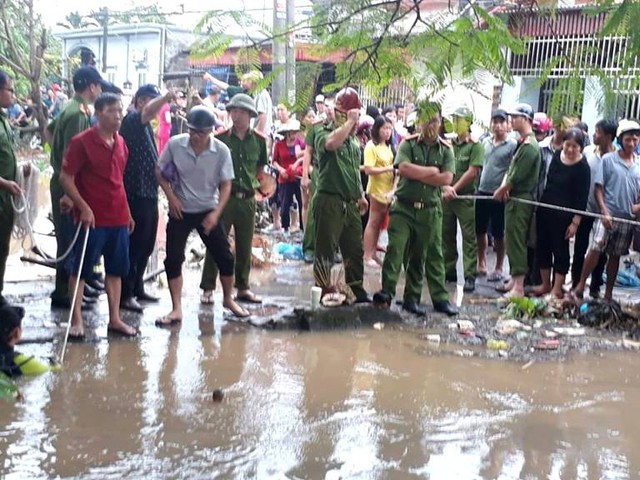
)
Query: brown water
[{"x": 360, "y": 404}]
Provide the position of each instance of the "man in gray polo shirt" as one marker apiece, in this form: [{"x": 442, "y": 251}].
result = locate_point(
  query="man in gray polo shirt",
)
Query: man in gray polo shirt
[
  {"x": 617, "y": 191},
  {"x": 498, "y": 152},
  {"x": 195, "y": 172}
]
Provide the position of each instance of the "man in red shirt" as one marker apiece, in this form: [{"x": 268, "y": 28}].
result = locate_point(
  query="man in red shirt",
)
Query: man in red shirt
[{"x": 92, "y": 176}]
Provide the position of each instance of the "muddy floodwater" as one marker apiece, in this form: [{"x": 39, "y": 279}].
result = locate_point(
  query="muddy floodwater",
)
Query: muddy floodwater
[{"x": 363, "y": 404}]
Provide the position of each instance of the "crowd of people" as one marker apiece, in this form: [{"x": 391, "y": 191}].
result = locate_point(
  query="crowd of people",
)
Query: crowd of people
[{"x": 351, "y": 173}]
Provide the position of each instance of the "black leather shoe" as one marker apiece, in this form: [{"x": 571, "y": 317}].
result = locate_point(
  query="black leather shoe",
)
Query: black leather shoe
[
  {"x": 91, "y": 292},
  {"x": 382, "y": 299},
  {"x": 413, "y": 307},
  {"x": 445, "y": 307},
  {"x": 469, "y": 285},
  {"x": 363, "y": 298},
  {"x": 147, "y": 297},
  {"x": 132, "y": 305}
]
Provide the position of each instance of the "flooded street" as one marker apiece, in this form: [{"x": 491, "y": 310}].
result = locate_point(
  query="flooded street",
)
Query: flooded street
[
  {"x": 357, "y": 404},
  {"x": 363, "y": 404}
]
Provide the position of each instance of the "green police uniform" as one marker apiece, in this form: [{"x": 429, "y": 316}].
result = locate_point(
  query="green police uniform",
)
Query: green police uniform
[
  {"x": 523, "y": 178},
  {"x": 415, "y": 225},
  {"x": 7, "y": 172},
  {"x": 73, "y": 119},
  {"x": 467, "y": 154},
  {"x": 309, "y": 239},
  {"x": 337, "y": 217},
  {"x": 248, "y": 155}
]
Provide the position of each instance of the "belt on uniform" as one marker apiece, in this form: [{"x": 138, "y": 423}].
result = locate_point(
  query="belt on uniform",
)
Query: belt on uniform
[
  {"x": 242, "y": 194},
  {"x": 416, "y": 205}
]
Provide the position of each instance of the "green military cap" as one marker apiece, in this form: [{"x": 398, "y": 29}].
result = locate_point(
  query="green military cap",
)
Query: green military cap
[
  {"x": 243, "y": 101},
  {"x": 464, "y": 112}
]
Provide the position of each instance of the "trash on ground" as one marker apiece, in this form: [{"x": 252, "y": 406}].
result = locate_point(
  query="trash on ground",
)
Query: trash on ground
[
  {"x": 548, "y": 344},
  {"x": 378, "y": 325},
  {"x": 493, "y": 344}
]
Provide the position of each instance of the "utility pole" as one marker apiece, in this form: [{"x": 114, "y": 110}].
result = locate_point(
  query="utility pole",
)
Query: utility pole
[
  {"x": 278, "y": 57},
  {"x": 290, "y": 53},
  {"x": 105, "y": 36}
]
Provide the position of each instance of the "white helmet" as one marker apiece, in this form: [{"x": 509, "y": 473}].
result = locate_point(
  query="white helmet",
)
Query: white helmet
[{"x": 626, "y": 126}]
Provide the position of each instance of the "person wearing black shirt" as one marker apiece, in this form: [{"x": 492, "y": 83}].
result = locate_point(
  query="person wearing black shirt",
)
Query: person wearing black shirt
[
  {"x": 142, "y": 190},
  {"x": 568, "y": 181}
]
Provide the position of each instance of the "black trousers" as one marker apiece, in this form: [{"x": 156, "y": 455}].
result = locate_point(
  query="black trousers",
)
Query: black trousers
[
  {"x": 141, "y": 243},
  {"x": 217, "y": 244},
  {"x": 552, "y": 249},
  {"x": 580, "y": 249},
  {"x": 287, "y": 192}
]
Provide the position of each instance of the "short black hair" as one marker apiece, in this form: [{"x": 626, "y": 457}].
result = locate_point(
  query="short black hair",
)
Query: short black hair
[
  {"x": 372, "y": 111},
  {"x": 4, "y": 78},
  {"x": 608, "y": 127},
  {"x": 105, "y": 100},
  {"x": 378, "y": 123},
  {"x": 398, "y": 106},
  {"x": 575, "y": 134},
  {"x": 583, "y": 126},
  {"x": 10, "y": 319},
  {"x": 388, "y": 110}
]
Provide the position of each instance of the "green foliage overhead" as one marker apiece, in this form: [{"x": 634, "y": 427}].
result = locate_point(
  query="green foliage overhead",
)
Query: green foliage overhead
[{"x": 380, "y": 41}]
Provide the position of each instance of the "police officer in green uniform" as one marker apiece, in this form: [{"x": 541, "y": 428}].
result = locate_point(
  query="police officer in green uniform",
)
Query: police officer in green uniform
[
  {"x": 73, "y": 119},
  {"x": 469, "y": 156},
  {"x": 340, "y": 197},
  {"x": 8, "y": 186},
  {"x": 425, "y": 164},
  {"x": 520, "y": 182},
  {"x": 249, "y": 154},
  {"x": 310, "y": 180}
]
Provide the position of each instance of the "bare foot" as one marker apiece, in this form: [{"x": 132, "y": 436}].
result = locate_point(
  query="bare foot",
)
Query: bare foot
[
  {"x": 540, "y": 290},
  {"x": 76, "y": 331},
  {"x": 236, "y": 309},
  {"x": 171, "y": 318},
  {"x": 514, "y": 292},
  {"x": 118, "y": 326}
]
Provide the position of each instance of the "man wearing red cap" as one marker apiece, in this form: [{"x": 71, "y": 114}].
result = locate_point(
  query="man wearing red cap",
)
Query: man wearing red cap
[{"x": 340, "y": 197}]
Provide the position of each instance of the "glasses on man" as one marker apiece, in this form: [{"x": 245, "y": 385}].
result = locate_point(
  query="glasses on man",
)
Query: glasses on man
[{"x": 201, "y": 133}]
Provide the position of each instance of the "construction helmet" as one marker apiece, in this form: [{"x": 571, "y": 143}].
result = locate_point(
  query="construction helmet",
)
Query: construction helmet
[
  {"x": 541, "y": 122},
  {"x": 347, "y": 99},
  {"x": 522, "y": 110},
  {"x": 626, "y": 126},
  {"x": 463, "y": 112},
  {"x": 200, "y": 118},
  {"x": 243, "y": 101}
]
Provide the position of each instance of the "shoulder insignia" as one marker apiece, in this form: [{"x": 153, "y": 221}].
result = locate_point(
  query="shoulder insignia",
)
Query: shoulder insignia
[
  {"x": 445, "y": 142},
  {"x": 260, "y": 134},
  {"x": 84, "y": 109}
]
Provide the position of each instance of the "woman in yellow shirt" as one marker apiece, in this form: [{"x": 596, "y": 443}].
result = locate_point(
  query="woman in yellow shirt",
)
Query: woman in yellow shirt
[{"x": 378, "y": 164}]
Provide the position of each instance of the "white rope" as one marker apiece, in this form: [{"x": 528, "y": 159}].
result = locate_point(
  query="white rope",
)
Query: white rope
[
  {"x": 27, "y": 212},
  {"x": 75, "y": 293},
  {"x": 551, "y": 207}
]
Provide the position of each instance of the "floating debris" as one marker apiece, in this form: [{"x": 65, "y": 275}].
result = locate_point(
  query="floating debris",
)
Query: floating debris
[
  {"x": 218, "y": 395},
  {"x": 548, "y": 344},
  {"x": 493, "y": 344},
  {"x": 378, "y": 325}
]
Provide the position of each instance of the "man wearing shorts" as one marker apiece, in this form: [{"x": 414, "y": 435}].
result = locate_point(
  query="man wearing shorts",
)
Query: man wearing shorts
[
  {"x": 498, "y": 152},
  {"x": 617, "y": 191},
  {"x": 92, "y": 176}
]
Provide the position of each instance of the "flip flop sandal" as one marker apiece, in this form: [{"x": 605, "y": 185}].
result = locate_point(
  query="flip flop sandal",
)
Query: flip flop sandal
[
  {"x": 245, "y": 314},
  {"x": 207, "y": 297},
  {"x": 249, "y": 298},
  {"x": 77, "y": 338},
  {"x": 495, "y": 277},
  {"x": 167, "y": 322}
]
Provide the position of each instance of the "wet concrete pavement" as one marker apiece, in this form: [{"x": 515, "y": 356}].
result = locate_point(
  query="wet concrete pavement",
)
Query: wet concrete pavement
[{"x": 363, "y": 403}]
